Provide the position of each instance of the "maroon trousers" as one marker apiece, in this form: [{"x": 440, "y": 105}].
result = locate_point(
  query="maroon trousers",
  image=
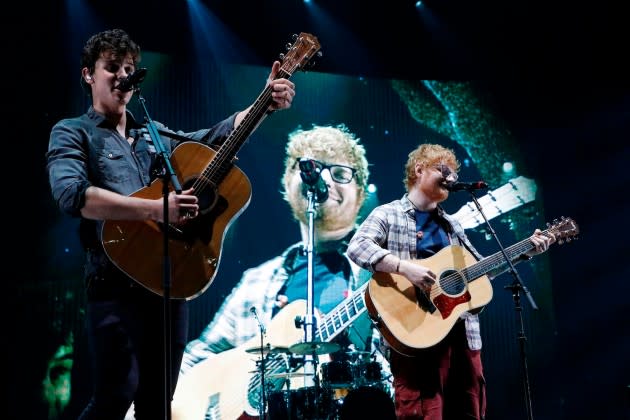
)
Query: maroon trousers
[{"x": 443, "y": 382}]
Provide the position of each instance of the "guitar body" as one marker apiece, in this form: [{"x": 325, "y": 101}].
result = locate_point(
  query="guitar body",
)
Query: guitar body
[
  {"x": 219, "y": 384},
  {"x": 137, "y": 247},
  {"x": 407, "y": 319}
]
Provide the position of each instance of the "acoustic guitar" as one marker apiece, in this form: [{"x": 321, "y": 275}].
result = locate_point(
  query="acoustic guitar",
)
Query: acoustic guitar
[
  {"x": 224, "y": 192},
  {"x": 411, "y": 320}
]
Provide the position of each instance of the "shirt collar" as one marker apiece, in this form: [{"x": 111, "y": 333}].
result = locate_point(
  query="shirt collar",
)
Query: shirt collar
[
  {"x": 408, "y": 206},
  {"x": 99, "y": 118}
]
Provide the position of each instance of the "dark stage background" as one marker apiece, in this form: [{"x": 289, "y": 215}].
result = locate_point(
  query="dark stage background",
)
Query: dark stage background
[{"x": 543, "y": 88}]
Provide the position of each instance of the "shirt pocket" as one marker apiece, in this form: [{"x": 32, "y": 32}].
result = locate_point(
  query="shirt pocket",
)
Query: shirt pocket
[{"x": 113, "y": 166}]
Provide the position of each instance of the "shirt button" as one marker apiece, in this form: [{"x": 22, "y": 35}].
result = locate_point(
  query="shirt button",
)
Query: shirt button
[{"x": 111, "y": 155}]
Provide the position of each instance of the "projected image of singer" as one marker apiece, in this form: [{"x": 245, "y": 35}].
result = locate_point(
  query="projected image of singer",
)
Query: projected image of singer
[
  {"x": 215, "y": 379},
  {"x": 446, "y": 380}
]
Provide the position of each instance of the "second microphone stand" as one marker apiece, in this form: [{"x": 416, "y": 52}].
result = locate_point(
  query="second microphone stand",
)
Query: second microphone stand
[
  {"x": 309, "y": 321},
  {"x": 316, "y": 192},
  {"x": 516, "y": 287}
]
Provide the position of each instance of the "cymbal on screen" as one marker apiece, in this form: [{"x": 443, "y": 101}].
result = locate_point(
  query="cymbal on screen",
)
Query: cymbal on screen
[
  {"x": 267, "y": 349},
  {"x": 314, "y": 347},
  {"x": 287, "y": 375}
]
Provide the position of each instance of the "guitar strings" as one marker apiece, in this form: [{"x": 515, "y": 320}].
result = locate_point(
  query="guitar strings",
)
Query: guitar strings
[{"x": 335, "y": 319}]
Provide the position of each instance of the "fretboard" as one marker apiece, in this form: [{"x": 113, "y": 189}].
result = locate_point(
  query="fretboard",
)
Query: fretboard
[{"x": 342, "y": 315}]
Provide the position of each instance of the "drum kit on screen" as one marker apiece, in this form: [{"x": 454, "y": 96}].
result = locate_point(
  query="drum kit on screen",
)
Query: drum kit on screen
[{"x": 346, "y": 387}]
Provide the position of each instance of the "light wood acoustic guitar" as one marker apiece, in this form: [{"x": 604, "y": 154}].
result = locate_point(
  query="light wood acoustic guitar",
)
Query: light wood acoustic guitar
[
  {"x": 227, "y": 385},
  {"x": 411, "y": 320},
  {"x": 224, "y": 192}
]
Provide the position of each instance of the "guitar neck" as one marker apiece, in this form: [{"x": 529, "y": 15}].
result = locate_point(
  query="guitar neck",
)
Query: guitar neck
[
  {"x": 496, "y": 263},
  {"x": 253, "y": 118},
  {"x": 343, "y": 315},
  {"x": 228, "y": 150},
  {"x": 305, "y": 46}
]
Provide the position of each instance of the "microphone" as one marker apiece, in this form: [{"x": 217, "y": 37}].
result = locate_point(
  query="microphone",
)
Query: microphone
[
  {"x": 311, "y": 174},
  {"x": 132, "y": 81},
  {"x": 255, "y": 313},
  {"x": 465, "y": 186}
]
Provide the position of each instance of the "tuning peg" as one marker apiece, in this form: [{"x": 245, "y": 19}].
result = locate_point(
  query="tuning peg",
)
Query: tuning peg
[
  {"x": 281, "y": 56},
  {"x": 313, "y": 61},
  {"x": 294, "y": 37}
]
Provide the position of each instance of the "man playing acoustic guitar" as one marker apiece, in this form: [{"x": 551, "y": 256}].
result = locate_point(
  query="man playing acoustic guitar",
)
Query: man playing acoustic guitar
[
  {"x": 444, "y": 380},
  {"x": 95, "y": 163}
]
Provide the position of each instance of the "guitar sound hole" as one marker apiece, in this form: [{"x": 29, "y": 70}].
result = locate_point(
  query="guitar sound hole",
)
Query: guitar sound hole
[
  {"x": 452, "y": 282},
  {"x": 207, "y": 195}
]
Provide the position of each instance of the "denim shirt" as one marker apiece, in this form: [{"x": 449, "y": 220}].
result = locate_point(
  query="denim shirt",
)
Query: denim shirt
[{"x": 88, "y": 151}]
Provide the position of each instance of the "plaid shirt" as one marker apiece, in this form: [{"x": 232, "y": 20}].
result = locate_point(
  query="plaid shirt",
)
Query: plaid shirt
[
  {"x": 393, "y": 225},
  {"x": 233, "y": 324}
]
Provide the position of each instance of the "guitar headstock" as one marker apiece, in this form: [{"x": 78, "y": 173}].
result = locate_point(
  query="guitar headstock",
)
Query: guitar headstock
[
  {"x": 299, "y": 54},
  {"x": 564, "y": 230}
]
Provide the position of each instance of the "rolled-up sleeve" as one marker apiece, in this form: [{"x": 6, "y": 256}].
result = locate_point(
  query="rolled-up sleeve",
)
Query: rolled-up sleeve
[
  {"x": 367, "y": 246},
  {"x": 215, "y": 135},
  {"x": 388, "y": 229},
  {"x": 66, "y": 162}
]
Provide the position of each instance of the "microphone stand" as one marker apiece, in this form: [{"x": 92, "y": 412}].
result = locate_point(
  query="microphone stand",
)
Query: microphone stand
[
  {"x": 516, "y": 286},
  {"x": 311, "y": 176},
  {"x": 310, "y": 360},
  {"x": 308, "y": 321},
  {"x": 168, "y": 175}
]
